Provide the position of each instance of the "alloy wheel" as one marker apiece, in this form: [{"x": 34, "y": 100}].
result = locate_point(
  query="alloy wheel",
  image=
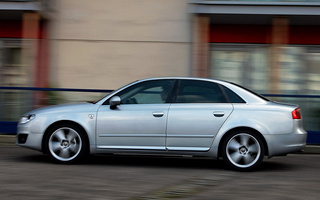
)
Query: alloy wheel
[
  {"x": 243, "y": 150},
  {"x": 65, "y": 144}
]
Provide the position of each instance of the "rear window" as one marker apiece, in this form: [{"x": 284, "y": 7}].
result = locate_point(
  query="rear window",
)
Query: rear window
[{"x": 252, "y": 92}]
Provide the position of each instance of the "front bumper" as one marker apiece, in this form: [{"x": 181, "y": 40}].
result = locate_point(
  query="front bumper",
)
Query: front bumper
[{"x": 28, "y": 139}]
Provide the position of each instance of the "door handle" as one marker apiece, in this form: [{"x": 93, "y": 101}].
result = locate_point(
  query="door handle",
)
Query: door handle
[
  {"x": 158, "y": 114},
  {"x": 218, "y": 114}
]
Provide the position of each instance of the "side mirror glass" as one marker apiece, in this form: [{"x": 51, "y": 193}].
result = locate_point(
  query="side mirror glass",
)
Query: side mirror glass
[{"x": 114, "y": 102}]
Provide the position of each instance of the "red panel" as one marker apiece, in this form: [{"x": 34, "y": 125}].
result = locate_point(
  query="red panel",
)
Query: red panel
[
  {"x": 10, "y": 29},
  {"x": 262, "y": 34},
  {"x": 304, "y": 35},
  {"x": 42, "y": 65},
  {"x": 240, "y": 33}
]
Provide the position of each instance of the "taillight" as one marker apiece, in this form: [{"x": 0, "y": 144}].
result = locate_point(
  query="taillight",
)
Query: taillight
[{"x": 296, "y": 114}]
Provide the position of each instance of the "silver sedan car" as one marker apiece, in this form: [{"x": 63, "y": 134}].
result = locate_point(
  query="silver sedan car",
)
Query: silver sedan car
[{"x": 181, "y": 116}]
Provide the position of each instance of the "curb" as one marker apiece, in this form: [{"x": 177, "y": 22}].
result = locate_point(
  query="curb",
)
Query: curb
[
  {"x": 311, "y": 149},
  {"x": 11, "y": 140},
  {"x": 7, "y": 139}
]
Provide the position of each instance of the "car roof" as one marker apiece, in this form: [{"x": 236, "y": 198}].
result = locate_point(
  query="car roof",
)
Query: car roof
[{"x": 246, "y": 94}]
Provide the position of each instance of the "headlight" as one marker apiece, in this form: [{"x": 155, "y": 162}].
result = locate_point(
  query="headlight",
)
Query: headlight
[{"x": 26, "y": 118}]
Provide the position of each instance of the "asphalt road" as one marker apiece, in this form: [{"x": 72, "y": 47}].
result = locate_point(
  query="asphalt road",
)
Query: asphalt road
[{"x": 27, "y": 174}]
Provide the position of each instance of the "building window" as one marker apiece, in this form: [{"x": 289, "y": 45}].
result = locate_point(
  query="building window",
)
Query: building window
[
  {"x": 242, "y": 64},
  {"x": 12, "y": 73},
  {"x": 297, "y": 73},
  {"x": 250, "y": 66},
  {"x": 10, "y": 63},
  {"x": 299, "y": 70}
]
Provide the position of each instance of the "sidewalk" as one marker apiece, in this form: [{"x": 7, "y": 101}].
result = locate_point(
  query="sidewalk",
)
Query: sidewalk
[{"x": 6, "y": 139}]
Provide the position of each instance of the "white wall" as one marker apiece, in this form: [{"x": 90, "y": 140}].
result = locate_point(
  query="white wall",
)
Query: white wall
[{"x": 104, "y": 44}]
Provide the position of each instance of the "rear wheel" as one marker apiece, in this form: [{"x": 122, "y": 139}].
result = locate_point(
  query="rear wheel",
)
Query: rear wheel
[
  {"x": 66, "y": 143},
  {"x": 243, "y": 150}
]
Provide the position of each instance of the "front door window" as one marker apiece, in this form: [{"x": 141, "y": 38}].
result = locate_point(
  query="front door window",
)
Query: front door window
[{"x": 151, "y": 92}]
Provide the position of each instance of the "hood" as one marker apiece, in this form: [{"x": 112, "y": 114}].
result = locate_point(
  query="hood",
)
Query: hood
[{"x": 66, "y": 108}]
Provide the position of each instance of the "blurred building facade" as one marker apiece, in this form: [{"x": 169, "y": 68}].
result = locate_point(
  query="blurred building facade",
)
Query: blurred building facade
[
  {"x": 24, "y": 53},
  {"x": 268, "y": 45},
  {"x": 271, "y": 46}
]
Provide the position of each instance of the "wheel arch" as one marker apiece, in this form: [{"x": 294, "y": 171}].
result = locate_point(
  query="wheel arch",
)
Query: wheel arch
[
  {"x": 57, "y": 123},
  {"x": 243, "y": 128}
]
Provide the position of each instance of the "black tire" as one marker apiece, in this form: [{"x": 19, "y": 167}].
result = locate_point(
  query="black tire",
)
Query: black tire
[
  {"x": 243, "y": 150},
  {"x": 66, "y": 143}
]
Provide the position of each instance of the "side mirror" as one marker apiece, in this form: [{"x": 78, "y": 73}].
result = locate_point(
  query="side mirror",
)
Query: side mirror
[{"x": 114, "y": 102}]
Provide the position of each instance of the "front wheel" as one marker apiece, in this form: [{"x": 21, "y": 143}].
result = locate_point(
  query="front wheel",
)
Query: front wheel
[
  {"x": 243, "y": 150},
  {"x": 66, "y": 143}
]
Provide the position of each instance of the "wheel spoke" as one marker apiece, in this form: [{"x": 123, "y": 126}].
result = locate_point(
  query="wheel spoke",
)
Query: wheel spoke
[
  {"x": 74, "y": 147},
  {"x": 244, "y": 139},
  {"x": 248, "y": 159},
  {"x": 234, "y": 145},
  {"x": 71, "y": 135},
  {"x": 236, "y": 157},
  {"x": 60, "y": 135},
  {"x": 253, "y": 149},
  {"x": 55, "y": 146},
  {"x": 64, "y": 153}
]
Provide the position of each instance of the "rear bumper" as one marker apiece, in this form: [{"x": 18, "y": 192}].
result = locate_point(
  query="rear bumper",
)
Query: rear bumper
[{"x": 282, "y": 144}]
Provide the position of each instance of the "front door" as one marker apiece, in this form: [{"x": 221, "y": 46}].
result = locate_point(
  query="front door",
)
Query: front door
[{"x": 139, "y": 122}]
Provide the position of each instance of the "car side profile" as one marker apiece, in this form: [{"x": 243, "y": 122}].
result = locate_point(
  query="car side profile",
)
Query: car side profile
[{"x": 175, "y": 115}]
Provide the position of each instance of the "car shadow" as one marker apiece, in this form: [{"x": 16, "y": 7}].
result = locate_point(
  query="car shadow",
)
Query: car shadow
[
  {"x": 156, "y": 161},
  {"x": 133, "y": 160},
  {"x": 268, "y": 165}
]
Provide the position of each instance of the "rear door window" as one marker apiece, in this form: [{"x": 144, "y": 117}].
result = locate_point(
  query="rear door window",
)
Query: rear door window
[{"x": 192, "y": 91}]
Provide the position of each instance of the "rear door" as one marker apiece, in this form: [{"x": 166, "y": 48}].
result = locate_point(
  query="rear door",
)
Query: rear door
[{"x": 196, "y": 116}]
